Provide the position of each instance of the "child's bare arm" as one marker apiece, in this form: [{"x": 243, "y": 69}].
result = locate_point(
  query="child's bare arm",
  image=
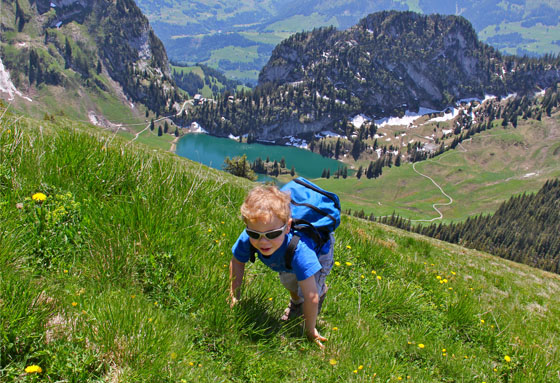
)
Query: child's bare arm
[
  {"x": 310, "y": 304},
  {"x": 236, "y": 272}
]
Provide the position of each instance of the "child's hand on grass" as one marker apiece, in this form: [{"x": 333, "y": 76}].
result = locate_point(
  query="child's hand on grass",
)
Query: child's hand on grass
[{"x": 317, "y": 338}]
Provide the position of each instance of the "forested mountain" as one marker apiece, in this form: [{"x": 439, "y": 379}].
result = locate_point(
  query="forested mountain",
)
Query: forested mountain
[
  {"x": 523, "y": 229},
  {"x": 388, "y": 63},
  {"x": 100, "y": 48},
  {"x": 238, "y": 36}
]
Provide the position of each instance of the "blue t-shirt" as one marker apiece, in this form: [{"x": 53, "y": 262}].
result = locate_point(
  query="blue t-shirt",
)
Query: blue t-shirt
[{"x": 305, "y": 262}]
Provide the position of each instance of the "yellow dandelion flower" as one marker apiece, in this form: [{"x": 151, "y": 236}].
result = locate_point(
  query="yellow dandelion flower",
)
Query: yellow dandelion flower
[
  {"x": 441, "y": 282},
  {"x": 444, "y": 354},
  {"x": 173, "y": 355},
  {"x": 150, "y": 320},
  {"x": 270, "y": 298},
  {"x": 222, "y": 222},
  {"x": 466, "y": 357},
  {"x": 445, "y": 280},
  {"x": 335, "y": 328},
  {"x": 454, "y": 273},
  {"x": 379, "y": 277},
  {"x": 432, "y": 264},
  {"x": 360, "y": 367},
  {"x": 39, "y": 197},
  {"x": 223, "y": 234},
  {"x": 362, "y": 276},
  {"x": 507, "y": 358},
  {"x": 399, "y": 378},
  {"x": 221, "y": 253},
  {"x": 421, "y": 345},
  {"x": 200, "y": 365},
  {"x": 438, "y": 277},
  {"x": 373, "y": 272},
  {"x": 355, "y": 371},
  {"x": 482, "y": 321},
  {"x": 209, "y": 230},
  {"x": 348, "y": 263},
  {"x": 337, "y": 263},
  {"x": 444, "y": 350},
  {"x": 191, "y": 364},
  {"x": 133, "y": 296},
  {"x": 495, "y": 370},
  {"x": 216, "y": 241},
  {"x": 74, "y": 304},
  {"x": 348, "y": 247},
  {"x": 409, "y": 342},
  {"x": 155, "y": 303},
  {"x": 451, "y": 288},
  {"x": 33, "y": 369},
  {"x": 333, "y": 362}
]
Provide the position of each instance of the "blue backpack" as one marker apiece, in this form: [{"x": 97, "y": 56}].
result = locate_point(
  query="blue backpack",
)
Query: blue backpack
[{"x": 315, "y": 214}]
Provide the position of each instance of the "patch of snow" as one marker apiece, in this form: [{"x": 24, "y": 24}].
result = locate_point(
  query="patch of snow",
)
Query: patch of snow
[
  {"x": 327, "y": 133},
  {"x": 93, "y": 118},
  {"x": 7, "y": 86},
  {"x": 232, "y": 137},
  {"x": 196, "y": 128},
  {"x": 359, "y": 120},
  {"x": 446, "y": 116},
  {"x": 447, "y": 131},
  {"x": 297, "y": 142},
  {"x": 529, "y": 175}
]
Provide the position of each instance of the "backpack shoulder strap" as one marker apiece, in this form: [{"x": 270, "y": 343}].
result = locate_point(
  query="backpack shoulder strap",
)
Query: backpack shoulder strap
[
  {"x": 252, "y": 257},
  {"x": 290, "y": 251}
]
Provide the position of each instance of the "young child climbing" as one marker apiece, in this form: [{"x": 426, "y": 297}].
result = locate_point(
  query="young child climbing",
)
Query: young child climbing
[{"x": 267, "y": 214}]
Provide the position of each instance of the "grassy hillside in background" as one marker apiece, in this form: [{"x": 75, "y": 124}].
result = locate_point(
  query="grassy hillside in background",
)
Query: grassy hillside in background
[
  {"x": 119, "y": 273},
  {"x": 478, "y": 175}
]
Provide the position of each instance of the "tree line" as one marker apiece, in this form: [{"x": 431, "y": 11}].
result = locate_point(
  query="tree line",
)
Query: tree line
[{"x": 524, "y": 229}]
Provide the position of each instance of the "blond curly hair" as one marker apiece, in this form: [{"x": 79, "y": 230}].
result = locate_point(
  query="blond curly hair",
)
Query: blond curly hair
[{"x": 263, "y": 203}]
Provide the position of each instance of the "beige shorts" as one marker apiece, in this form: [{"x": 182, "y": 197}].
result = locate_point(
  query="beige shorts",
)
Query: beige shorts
[{"x": 326, "y": 260}]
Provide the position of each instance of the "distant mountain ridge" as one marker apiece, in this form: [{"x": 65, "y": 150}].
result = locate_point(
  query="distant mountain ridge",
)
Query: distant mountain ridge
[
  {"x": 388, "y": 63},
  {"x": 238, "y": 36},
  {"x": 405, "y": 59}
]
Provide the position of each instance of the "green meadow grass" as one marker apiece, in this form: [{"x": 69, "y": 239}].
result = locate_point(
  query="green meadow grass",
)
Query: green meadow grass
[{"x": 121, "y": 275}]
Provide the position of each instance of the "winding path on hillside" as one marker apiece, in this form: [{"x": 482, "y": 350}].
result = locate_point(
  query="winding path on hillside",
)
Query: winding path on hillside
[{"x": 435, "y": 204}]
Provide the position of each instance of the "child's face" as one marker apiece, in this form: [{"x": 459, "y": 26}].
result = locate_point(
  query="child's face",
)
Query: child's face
[{"x": 263, "y": 244}]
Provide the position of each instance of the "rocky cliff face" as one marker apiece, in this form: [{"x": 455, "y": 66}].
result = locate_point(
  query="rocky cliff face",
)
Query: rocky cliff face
[
  {"x": 404, "y": 60},
  {"x": 89, "y": 36}
]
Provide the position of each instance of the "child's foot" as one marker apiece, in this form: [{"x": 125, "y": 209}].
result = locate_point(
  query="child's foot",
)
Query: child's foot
[{"x": 294, "y": 310}]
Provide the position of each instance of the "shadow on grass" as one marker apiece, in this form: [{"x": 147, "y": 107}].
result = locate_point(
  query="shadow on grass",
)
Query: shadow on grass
[{"x": 258, "y": 321}]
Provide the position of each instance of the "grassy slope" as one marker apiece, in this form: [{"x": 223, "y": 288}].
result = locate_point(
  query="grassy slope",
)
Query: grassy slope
[
  {"x": 478, "y": 175},
  {"x": 121, "y": 275}
]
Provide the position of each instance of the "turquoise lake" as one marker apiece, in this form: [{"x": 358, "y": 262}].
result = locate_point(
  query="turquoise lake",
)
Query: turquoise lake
[{"x": 212, "y": 151}]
